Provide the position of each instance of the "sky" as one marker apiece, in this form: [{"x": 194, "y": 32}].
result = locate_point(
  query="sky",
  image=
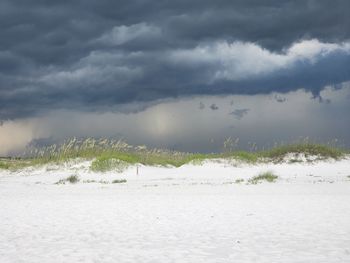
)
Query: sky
[{"x": 182, "y": 75}]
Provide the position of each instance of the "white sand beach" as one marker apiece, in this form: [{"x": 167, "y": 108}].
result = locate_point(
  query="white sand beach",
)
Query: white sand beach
[{"x": 195, "y": 213}]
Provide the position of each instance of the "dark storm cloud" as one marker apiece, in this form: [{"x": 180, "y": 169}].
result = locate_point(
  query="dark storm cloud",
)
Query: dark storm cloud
[{"x": 93, "y": 55}]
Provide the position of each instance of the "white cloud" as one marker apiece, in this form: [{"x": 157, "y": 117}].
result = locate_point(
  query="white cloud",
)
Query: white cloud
[
  {"x": 311, "y": 49},
  {"x": 242, "y": 60}
]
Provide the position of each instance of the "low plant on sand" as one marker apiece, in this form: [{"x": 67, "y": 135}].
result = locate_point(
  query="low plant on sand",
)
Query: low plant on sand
[
  {"x": 238, "y": 181},
  {"x": 266, "y": 176},
  {"x": 70, "y": 179},
  {"x": 97, "y": 182},
  {"x": 119, "y": 181},
  {"x": 4, "y": 165},
  {"x": 73, "y": 179}
]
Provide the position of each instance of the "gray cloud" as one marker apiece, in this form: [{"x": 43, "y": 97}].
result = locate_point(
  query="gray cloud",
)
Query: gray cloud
[
  {"x": 279, "y": 98},
  {"x": 322, "y": 100},
  {"x": 101, "y": 55},
  {"x": 239, "y": 113},
  {"x": 180, "y": 125},
  {"x": 213, "y": 107}
]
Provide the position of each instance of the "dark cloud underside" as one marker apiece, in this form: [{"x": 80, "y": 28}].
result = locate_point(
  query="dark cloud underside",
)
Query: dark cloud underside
[{"x": 93, "y": 55}]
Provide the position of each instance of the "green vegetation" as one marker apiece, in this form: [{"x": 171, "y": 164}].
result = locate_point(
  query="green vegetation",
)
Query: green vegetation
[
  {"x": 267, "y": 176},
  {"x": 112, "y": 155},
  {"x": 4, "y": 165},
  {"x": 13, "y": 164},
  {"x": 89, "y": 181},
  {"x": 309, "y": 149},
  {"x": 94, "y": 181},
  {"x": 104, "y": 164},
  {"x": 119, "y": 161},
  {"x": 73, "y": 179},
  {"x": 70, "y": 179},
  {"x": 61, "y": 181},
  {"x": 295, "y": 161},
  {"x": 116, "y": 181},
  {"x": 249, "y": 157},
  {"x": 119, "y": 181},
  {"x": 238, "y": 181}
]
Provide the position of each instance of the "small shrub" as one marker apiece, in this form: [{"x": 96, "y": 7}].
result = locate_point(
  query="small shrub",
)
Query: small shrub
[
  {"x": 61, "y": 181},
  {"x": 267, "y": 176},
  {"x": 295, "y": 161},
  {"x": 4, "y": 165},
  {"x": 71, "y": 179},
  {"x": 238, "y": 181},
  {"x": 119, "y": 181}
]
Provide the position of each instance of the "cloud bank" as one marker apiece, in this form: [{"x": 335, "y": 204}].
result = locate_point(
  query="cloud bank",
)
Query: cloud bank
[
  {"x": 184, "y": 125},
  {"x": 98, "y": 56}
]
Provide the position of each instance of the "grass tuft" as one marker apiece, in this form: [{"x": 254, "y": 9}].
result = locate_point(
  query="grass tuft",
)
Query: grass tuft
[
  {"x": 94, "y": 181},
  {"x": 238, "y": 181},
  {"x": 73, "y": 179},
  {"x": 119, "y": 181},
  {"x": 4, "y": 165},
  {"x": 267, "y": 176}
]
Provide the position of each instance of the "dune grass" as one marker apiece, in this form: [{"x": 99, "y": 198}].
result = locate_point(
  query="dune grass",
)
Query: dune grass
[
  {"x": 14, "y": 164},
  {"x": 107, "y": 161},
  {"x": 266, "y": 176},
  {"x": 4, "y": 166},
  {"x": 119, "y": 181},
  {"x": 115, "y": 155},
  {"x": 308, "y": 149},
  {"x": 238, "y": 181},
  {"x": 73, "y": 179}
]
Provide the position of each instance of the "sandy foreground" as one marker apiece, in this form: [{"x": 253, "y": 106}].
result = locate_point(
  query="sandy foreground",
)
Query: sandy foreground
[{"x": 195, "y": 213}]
